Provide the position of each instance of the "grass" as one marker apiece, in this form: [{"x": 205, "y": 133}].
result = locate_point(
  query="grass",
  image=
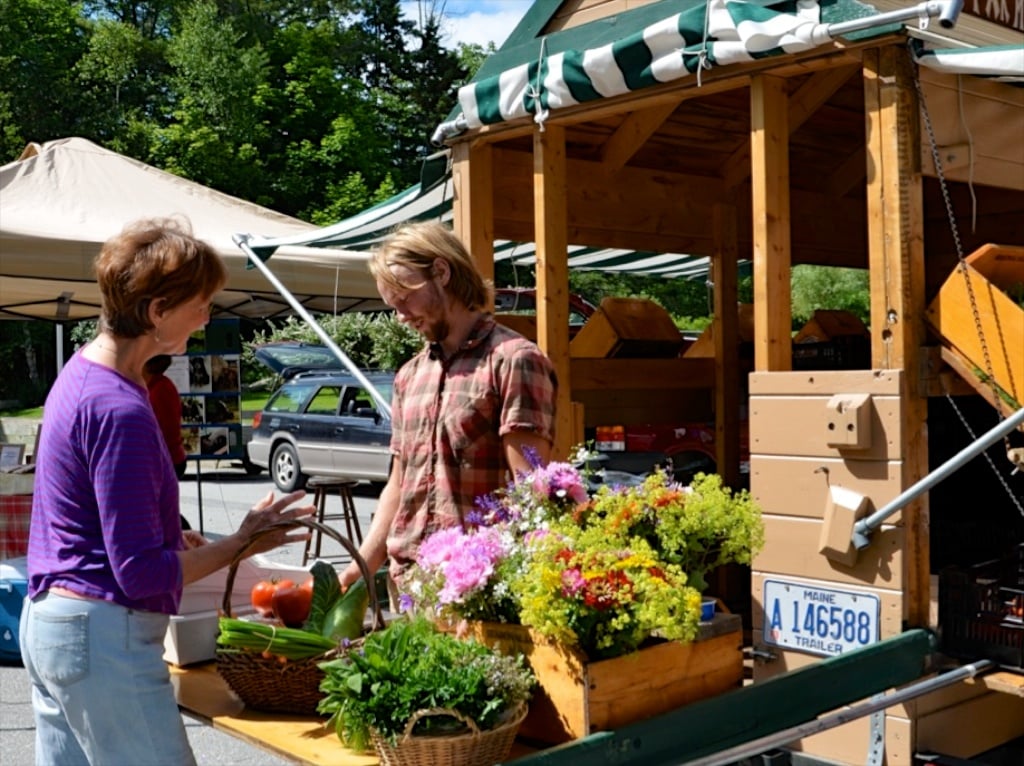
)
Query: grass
[
  {"x": 30, "y": 412},
  {"x": 251, "y": 402}
]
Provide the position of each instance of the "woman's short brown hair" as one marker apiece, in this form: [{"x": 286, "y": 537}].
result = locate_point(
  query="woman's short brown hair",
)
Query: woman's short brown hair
[
  {"x": 149, "y": 260},
  {"x": 417, "y": 246}
]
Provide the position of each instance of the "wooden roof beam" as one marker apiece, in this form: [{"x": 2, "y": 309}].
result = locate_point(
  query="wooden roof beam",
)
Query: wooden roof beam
[
  {"x": 633, "y": 133},
  {"x": 803, "y": 103}
]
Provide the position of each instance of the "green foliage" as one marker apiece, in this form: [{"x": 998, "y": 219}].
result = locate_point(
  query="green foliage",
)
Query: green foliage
[
  {"x": 411, "y": 666},
  {"x": 313, "y": 109},
  {"x": 27, "y": 361},
  {"x": 40, "y": 41},
  {"x": 371, "y": 341},
  {"x": 826, "y": 287},
  {"x": 82, "y": 332}
]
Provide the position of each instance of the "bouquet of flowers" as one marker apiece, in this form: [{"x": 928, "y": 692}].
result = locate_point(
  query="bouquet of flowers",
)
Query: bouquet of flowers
[{"x": 602, "y": 571}]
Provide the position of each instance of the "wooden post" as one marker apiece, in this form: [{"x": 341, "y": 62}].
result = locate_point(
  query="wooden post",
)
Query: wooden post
[
  {"x": 552, "y": 243},
  {"x": 473, "y": 202},
  {"x": 727, "y": 394},
  {"x": 769, "y": 154},
  {"x": 896, "y": 258}
]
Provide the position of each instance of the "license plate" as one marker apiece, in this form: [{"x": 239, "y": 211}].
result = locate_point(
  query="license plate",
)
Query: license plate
[{"x": 819, "y": 620}]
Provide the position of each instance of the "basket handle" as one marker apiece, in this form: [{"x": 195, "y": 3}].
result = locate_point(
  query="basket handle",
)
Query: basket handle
[
  {"x": 438, "y": 711},
  {"x": 348, "y": 545}
]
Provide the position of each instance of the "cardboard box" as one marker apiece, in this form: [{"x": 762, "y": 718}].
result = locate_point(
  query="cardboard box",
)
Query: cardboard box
[
  {"x": 632, "y": 328},
  {"x": 13, "y": 589}
]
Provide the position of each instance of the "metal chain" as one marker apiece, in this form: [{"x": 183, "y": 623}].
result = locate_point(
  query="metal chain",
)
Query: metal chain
[
  {"x": 933, "y": 145},
  {"x": 991, "y": 462}
]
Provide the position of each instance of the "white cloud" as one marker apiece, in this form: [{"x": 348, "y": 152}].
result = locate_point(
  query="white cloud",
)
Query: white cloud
[{"x": 477, "y": 21}]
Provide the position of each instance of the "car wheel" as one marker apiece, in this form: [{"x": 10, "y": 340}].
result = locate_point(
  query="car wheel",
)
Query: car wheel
[{"x": 285, "y": 469}]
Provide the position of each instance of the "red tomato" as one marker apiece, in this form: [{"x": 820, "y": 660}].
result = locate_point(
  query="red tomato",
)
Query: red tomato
[
  {"x": 291, "y": 604},
  {"x": 263, "y": 595}
]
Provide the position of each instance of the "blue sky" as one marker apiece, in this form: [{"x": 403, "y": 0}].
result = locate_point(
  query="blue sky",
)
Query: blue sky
[{"x": 476, "y": 21}]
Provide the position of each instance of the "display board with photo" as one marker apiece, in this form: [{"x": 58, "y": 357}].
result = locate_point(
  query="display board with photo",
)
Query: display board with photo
[{"x": 208, "y": 377}]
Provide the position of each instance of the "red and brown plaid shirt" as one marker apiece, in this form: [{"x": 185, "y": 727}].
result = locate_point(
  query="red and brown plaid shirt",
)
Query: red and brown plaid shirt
[{"x": 448, "y": 420}]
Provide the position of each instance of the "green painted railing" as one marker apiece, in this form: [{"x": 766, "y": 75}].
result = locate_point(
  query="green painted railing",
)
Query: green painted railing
[{"x": 727, "y": 720}]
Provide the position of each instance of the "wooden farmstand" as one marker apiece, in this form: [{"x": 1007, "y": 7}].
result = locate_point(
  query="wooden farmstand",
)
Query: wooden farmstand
[
  {"x": 886, "y": 611},
  {"x": 824, "y": 155}
]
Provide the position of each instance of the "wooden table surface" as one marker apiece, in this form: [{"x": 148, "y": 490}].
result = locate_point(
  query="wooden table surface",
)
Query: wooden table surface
[{"x": 203, "y": 694}]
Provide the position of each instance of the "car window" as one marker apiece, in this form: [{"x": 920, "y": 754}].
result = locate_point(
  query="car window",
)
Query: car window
[
  {"x": 325, "y": 401},
  {"x": 289, "y": 399},
  {"x": 358, "y": 401}
]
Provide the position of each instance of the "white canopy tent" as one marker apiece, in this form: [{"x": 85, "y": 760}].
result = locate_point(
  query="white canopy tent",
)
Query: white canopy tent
[{"x": 61, "y": 200}]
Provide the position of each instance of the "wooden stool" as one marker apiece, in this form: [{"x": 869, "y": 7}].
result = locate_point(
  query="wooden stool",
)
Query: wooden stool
[{"x": 321, "y": 487}]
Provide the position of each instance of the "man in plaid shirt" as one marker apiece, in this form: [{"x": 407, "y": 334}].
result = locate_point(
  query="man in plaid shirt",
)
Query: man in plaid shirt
[{"x": 464, "y": 409}]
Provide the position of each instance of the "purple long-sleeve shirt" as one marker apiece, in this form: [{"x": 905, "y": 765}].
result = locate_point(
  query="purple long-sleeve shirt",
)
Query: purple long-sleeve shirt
[{"x": 105, "y": 515}]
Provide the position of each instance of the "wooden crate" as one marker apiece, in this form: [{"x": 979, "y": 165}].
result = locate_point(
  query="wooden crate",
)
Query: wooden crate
[
  {"x": 575, "y": 697},
  {"x": 632, "y": 328},
  {"x": 992, "y": 270}
]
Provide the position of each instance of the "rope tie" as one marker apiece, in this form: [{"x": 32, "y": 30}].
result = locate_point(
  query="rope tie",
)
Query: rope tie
[{"x": 535, "y": 90}]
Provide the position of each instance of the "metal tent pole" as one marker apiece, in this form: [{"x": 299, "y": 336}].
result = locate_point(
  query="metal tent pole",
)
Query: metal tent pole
[
  {"x": 242, "y": 240},
  {"x": 863, "y": 528}
]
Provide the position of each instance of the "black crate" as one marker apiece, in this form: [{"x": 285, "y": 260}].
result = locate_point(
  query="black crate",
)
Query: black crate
[
  {"x": 981, "y": 611},
  {"x": 847, "y": 352}
]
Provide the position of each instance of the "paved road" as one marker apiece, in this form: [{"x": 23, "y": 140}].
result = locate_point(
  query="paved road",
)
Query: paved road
[{"x": 226, "y": 493}]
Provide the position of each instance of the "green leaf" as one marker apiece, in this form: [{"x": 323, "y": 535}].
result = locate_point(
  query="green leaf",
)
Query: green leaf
[{"x": 326, "y": 593}]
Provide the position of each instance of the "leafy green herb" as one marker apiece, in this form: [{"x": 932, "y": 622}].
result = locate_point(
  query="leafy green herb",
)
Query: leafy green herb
[{"x": 411, "y": 666}]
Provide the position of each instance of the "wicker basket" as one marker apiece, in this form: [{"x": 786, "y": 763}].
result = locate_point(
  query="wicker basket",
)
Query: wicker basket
[
  {"x": 473, "y": 748},
  {"x": 266, "y": 683}
]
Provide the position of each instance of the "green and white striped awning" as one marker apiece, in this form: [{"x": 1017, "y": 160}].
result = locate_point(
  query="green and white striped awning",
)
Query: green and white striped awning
[
  {"x": 702, "y": 36},
  {"x": 431, "y": 199},
  {"x": 718, "y": 33},
  {"x": 999, "y": 62}
]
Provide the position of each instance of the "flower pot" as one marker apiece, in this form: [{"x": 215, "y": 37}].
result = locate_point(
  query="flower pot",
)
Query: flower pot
[{"x": 575, "y": 697}]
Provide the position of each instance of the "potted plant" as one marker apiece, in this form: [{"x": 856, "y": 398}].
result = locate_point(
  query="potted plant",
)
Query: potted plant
[
  {"x": 583, "y": 579},
  {"x": 420, "y": 695}
]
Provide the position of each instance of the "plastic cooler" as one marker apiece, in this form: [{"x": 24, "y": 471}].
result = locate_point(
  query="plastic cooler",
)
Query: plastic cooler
[{"x": 13, "y": 587}]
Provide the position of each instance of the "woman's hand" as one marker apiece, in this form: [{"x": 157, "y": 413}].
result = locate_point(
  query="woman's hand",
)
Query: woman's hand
[
  {"x": 193, "y": 539},
  {"x": 268, "y": 513}
]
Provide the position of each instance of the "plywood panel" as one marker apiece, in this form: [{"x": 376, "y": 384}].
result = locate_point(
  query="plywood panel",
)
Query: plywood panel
[
  {"x": 890, "y": 618},
  {"x": 798, "y": 486},
  {"x": 826, "y": 382},
  {"x": 791, "y": 550},
  {"x": 772, "y": 431},
  {"x": 972, "y": 727}
]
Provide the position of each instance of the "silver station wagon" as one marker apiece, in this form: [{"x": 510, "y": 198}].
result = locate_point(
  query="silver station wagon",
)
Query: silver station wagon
[{"x": 321, "y": 421}]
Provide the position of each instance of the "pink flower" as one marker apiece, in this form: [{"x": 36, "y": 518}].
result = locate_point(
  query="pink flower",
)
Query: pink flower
[
  {"x": 560, "y": 482},
  {"x": 466, "y": 561}
]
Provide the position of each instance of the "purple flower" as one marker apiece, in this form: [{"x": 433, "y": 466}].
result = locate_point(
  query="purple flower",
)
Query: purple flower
[
  {"x": 532, "y": 457},
  {"x": 561, "y": 482},
  {"x": 405, "y": 603}
]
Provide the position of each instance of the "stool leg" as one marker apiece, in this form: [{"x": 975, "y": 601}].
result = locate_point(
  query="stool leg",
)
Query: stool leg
[
  {"x": 319, "y": 501},
  {"x": 351, "y": 518}
]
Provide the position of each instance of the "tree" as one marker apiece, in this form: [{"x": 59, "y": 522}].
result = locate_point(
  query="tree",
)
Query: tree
[
  {"x": 827, "y": 287},
  {"x": 40, "y": 41}
]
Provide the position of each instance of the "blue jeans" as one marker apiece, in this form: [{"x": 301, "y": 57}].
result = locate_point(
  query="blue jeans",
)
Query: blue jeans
[{"x": 101, "y": 692}]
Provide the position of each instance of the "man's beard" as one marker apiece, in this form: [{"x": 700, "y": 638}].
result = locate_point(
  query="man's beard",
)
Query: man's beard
[{"x": 436, "y": 332}]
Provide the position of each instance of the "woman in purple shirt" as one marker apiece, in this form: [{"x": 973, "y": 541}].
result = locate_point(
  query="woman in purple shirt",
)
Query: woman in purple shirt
[{"x": 107, "y": 558}]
